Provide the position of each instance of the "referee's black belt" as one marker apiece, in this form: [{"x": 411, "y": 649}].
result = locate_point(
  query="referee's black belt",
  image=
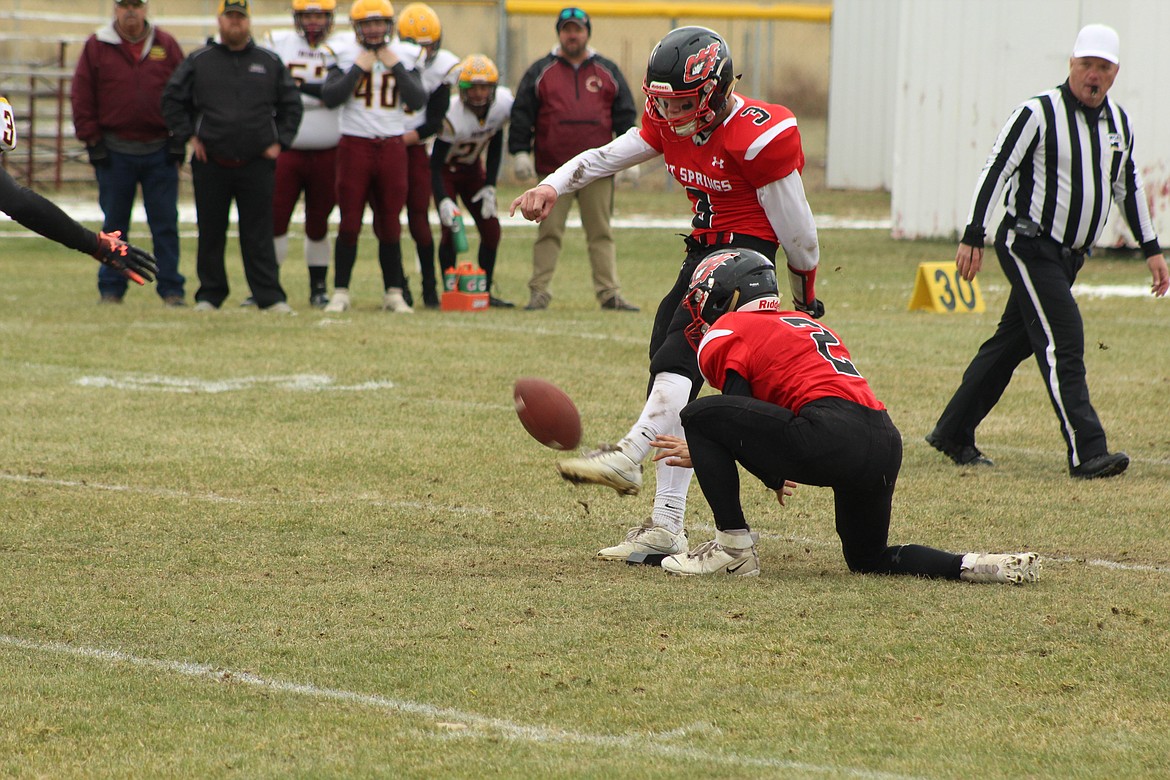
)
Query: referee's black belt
[
  {"x": 741, "y": 240},
  {"x": 1030, "y": 229}
]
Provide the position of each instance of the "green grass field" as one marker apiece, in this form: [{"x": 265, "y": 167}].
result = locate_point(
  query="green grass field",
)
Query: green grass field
[{"x": 247, "y": 545}]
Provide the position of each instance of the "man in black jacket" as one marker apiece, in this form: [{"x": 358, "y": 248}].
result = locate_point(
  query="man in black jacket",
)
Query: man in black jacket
[{"x": 239, "y": 106}]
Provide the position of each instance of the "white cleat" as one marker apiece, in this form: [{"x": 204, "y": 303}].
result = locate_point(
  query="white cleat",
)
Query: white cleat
[
  {"x": 607, "y": 466},
  {"x": 394, "y": 301},
  {"x": 1013, "y": 568},
  {"x": 649, "y": 539},
  {"x": 721, "y": 555},
  {"x": 339, "y": 302}
]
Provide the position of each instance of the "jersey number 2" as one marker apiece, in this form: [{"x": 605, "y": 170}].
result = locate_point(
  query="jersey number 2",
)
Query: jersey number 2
[{"x": 824, "y": 340}]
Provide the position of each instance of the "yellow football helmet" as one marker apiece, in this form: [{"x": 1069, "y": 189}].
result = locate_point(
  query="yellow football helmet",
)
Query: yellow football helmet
[
  {"x": 314, "y": 33},
  {"x": 420, "y": 24},
  {"x": 366, "y": 11},
  {"x": 478, "y": 70}
]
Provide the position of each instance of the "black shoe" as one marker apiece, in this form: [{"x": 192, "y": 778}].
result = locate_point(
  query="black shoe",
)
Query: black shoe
[
  {"x": 499, "y": 303},
  {"x": 249, "y": 301},
  {"x": 318, "y": 297},
  {"x": 961, "y": 454},
  {"x": 618, "y": 303},
  {"x": 1107, "y": 465},
  {"x": 406, "y": 293}
]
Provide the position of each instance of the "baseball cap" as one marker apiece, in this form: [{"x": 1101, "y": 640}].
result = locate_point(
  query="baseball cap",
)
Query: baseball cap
[
  {"x": 130, "y": 2},
  {"x": 1098, "y": 40},
  {"x": 233, "y": 6},
  {"x": 573, "y": 14}
]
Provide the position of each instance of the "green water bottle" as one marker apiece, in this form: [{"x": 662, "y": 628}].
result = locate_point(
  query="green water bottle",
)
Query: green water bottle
[{"x": 458, "y": 234}]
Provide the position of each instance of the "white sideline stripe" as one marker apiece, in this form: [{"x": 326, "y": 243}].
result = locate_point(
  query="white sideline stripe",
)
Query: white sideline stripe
[
  {"x": 445, "y": 717},
  {"x": 470, "y": 510},
  {"x": 88, "y": 211}
]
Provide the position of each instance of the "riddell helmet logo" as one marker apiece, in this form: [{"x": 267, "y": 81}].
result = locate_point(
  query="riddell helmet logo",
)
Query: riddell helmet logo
[{"x": 699, "y": 66}]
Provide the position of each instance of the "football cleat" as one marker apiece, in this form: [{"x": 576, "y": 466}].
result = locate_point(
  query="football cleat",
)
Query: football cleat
[
  {"x": 718, "y": 556},
  {"x": 1013, "y": 568},
  {"x": 646, "y": 538},
  {"x": 607, "y": 466},
  {"x": 339, "y": 302},
  {"x": 394, "y": 301}
]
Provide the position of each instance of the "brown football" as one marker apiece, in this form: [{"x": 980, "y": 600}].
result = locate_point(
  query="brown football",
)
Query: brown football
[{"x": 547, "y": 413}]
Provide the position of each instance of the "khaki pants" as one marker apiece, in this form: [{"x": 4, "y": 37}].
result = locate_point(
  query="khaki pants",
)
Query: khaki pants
[{"x": 595, "y": 204}]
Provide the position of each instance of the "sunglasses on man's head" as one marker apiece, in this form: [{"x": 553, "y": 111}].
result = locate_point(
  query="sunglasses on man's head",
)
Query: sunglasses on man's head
[{"x": 572, "y": 13}]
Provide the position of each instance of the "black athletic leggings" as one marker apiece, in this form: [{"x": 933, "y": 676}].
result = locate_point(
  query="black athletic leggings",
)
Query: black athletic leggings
[{"x": 833, "y": 443}]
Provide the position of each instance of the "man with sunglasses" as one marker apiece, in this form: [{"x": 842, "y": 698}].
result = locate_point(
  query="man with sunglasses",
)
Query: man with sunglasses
[{"x": 570, "y": 100}]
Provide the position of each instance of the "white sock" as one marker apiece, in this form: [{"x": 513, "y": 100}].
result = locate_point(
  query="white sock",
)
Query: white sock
[
  {"x": 280, "y": 245},
  {"x": 668, "y": 395},
  {"x": 670, "y": 496},
  {"x": 317, "y": 253}
]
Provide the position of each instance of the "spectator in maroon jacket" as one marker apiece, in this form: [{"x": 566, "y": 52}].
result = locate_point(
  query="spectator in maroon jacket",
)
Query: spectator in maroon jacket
[
  {"x": 117, "y": 113},
  {"x": 570, "y": 100}
]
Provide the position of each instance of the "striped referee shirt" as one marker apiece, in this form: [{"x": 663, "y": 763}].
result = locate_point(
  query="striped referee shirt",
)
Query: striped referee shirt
[{"x": 1063, "y": 164}]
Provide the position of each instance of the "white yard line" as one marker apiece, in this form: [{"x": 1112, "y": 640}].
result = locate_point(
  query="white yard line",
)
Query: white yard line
[
  {"x": 88, "y": 211},
  {"x": 450, "y": 721}
]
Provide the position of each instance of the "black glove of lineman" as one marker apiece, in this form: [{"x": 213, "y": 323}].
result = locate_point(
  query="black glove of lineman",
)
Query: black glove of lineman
[
  {"x": 814, "y": 309},
  {"x": 99, "y": 155},
  {"x": 136, "y": 264}
]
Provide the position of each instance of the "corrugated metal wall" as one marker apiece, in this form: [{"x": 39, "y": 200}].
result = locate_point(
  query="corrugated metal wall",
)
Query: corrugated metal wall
[
  {"x": 960, "y": 69},
  {"x": 862, "y": 71}
]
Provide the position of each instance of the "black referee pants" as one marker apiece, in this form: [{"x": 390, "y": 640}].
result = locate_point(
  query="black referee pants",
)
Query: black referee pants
[
  {"x": 1041, "y": 318},
  {"x": 834, "y": 443},
  {"x": 251, "y": 186}
]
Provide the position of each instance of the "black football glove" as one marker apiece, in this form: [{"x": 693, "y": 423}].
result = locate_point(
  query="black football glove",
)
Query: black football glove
[
  {"x": 99, "y": 155},
  {"x": 136, "y": 264},
  {"x": 814, "y": 309}
]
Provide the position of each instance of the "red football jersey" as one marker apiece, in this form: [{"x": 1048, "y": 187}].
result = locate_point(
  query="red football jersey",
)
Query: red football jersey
[
  {"x": 755, "y": 146},
  {"x": 789, "y": 359}
]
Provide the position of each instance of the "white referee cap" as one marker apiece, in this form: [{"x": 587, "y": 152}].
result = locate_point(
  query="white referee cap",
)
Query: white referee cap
[{"x": 1098, "y": 40}]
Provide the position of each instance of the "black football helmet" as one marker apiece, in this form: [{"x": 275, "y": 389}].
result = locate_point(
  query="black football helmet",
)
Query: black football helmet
[
  {"x": 724, "y": 281},
  {"x": 689, "y": 62}
]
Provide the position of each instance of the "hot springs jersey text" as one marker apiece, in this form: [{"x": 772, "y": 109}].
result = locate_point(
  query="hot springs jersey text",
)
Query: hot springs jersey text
[
  {"x": 467, "y": 134},
  {"x": 320, "y": 127},
  {"x": 788, "y": 358},
  {"x": 374, "y": 110},
  {"x": 755, "y": 146}
]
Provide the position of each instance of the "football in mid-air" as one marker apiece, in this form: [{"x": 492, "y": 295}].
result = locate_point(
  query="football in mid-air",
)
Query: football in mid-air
[{"x": 547, "y": 413}]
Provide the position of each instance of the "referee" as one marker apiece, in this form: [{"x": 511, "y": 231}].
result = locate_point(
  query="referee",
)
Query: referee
[{"x": 1063, "y": 155}]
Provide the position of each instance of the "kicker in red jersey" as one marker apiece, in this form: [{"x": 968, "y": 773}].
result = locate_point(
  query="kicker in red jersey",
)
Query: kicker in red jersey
[{"x": 757, "y": 145}]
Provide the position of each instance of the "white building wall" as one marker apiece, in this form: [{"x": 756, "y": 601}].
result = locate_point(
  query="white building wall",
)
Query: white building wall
[
  {"x": 862, "y": 68},
  {"x": 960, "y": 68}
]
